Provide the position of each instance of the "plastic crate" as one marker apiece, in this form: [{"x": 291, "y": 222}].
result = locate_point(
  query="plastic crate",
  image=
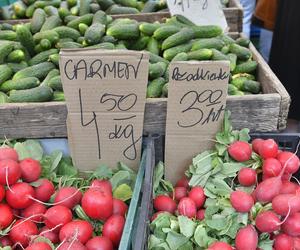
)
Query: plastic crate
[{"x": 6, "y": 2}]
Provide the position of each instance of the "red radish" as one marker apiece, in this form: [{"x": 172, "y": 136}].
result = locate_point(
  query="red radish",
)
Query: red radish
[
  {"x": 256, "y": 144},
  {"x": 296, "y": 243},
  {"x": 271, "y": 167},
  {"x": 283, "y": 242},
  {"x": 39, "y": 246},
  {"x": 34, "y": 209},
  {"x": 286, "y": 177},
  {"x": 290, "y": 160},
  {"x": 57, "y": 216},
  {"x": 164, "y": 203},
  {"x": 49, "y": 234},
  {"x": 267, "y": 222},
  {"x": 20, "y": 195},
  {"x": 154, "y": 216},
  {"x": 2, "y": 193},
  {"x": 247, "y": 177},
  {"x": 198, "y": 196},
  {"x": 10, "y": 172},
  {"x": 103, "y": 185},
  {"x": 8, "y": 153},
  {"x": 113, "y": 229},
  {"x": 22, "y": 231},
  {"x": 179, "y": 193},
  {"x": 183, "y": 182},
  {"x": 72, "y": 245},
  {"x": 246, "y": 238},
  {"x": 268, "y": 149},
  {"x": 44, "y": 190},
  {"x": 292, "y": 225},
  {"x": 6, "y": 216},
  {"x": 97, "y": 204},
  {"x": 220, "y": 246},
  {"x": 5, "y": 241},
  {"x": 80, "y": 229},
  {"x": 282, "y": 203},
  {"x": 288, "y": 187},
  {"x": 200, "y": 214},
  {"x": 68, "y": 197},
  {"x": 99, "y": 243},
  {"x": 187, "y": 207},
  {"x": 240, "y": 151},
  {"x": 30, "y": 169},
  {"x": 268, "y": 189},
  {"x": 241, "y": 201},
  {"x": 119, "y": 207}
]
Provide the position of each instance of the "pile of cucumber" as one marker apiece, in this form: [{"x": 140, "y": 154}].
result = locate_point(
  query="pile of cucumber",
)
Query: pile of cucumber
[{"x": 29, "y": 52}]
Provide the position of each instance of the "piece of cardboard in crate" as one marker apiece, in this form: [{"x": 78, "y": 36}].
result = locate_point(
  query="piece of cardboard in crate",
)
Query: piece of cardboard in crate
[
  {"x": 196, "y": 104},
  {"x": 105, "y": 95}
]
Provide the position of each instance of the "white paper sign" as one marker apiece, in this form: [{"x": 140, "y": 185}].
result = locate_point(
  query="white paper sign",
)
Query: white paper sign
[{"x": 200, "y": 12}]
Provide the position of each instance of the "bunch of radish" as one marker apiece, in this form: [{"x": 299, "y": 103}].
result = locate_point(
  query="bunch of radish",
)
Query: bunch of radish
[{"x": 31, "y": 209}]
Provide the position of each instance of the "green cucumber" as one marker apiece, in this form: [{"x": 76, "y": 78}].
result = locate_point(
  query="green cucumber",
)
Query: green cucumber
[
  {"x": 232, "y": 90},
  {"x": 19, "y": 9},
  {"x": 16, "y": 56},
  {"x": 15, "y": 67},
  {"x": 5, "y": 73},
  {"x": 67, "y": 32},
  {"x": 124, "y": 31},
  {"x": 25, "y": 38},
  {"x": 51, "y": 22},
  {"x": 94, "y": 7},
  {"x": 155, "y": 58},
  {"x": 39, "y": 71},
  {"x": 3, "y": 98},
  {"x": 200, "y": 55},
  {"x": 51, "y": 11},
  {"x": 154, "y": 88},
  {"x": 45, "y": 44},
  {"x": 74, "y": 12},
  {"x": 246, "y": 67},
  {"x": 169, "y": 54},
  {"x": 115, "y": 10},
  {"x": 241, "y": 52},
  {"x": 149, "y": 28},
  {"x": 150, "y": 6},
  {"x": 63, "y": 12},
  {"x": 100, "y": 17},
  {"x": 5, "y": 49},
  {"x": 43, "y": 4},
  {"x": 68, "y": 45},
  {"x": 86, "y": 19},
  {"x": 207, "y": 31},
  {"x": 54, "y": 58},
  {"x": 71, "y": 3},
  {"x": 165, "y": 90},
  {"x": 38, "y": 94},
  {"x": 182, "y": 56},
  {"x": 52, "y": 73},
  {"x": 208, "y": 43},
  {"x": 109, "y": 39},
  {"x": 140, "y": 43},
  {"x": 225, "y": 49},
  {"x": 105, "y": 4},
  {"x": 181, "y": 37},
  {"x": 157, "y": 70},
  {"x": 82, "y": 27},
  {"x": 127, "y": 3},
  {"x": 29, "y": 11},
  {"x": 84, "y": 7},
  {"x": 227, "y": 39},
  {"x": 104, "y": 45},
  {"x": 232, "y": 58},
  {"x": 24, "y": 83},
  {"x": 165, "y": 31},
  {"x": 94, "y": 33},
  {"x": 243, "y": 41},
  {"x": 55, "y": 83},
  {"x": 218, "y": 56},
  {"x": 58, "y": 96},
  {"x": 51, "y": 35},
  {"x": 153, "y": 46},
  {"x": 42, "y": 57},
  {"x": 8, "y": 35},
  {"x": 251, "y": 86}
]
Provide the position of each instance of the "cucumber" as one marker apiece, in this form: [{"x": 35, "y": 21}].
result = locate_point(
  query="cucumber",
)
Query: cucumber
[
  {"x": 39, "y": 71},
  {"x": 71, "y": 3},
  {"x": 80, "y": 40},
  {"x": 74, "y": 11},
  {"x": 3, "y": 98},
  {"x": 100, "y": 17},
  {"x": 149, "y": 28},
  {"x": 94, "y": 7},
  {"x": 181, "y": 57},
  {"x": 26, "y": 39},
  {"x": 51, "y": 35},
  {"x": 155, "y": 58},
  {"x": 140, "y": 5},
  {"x": 24, "y": 83},
  {"x": 67, "y": 32},
  {"x": 5, "y": 49},
  {"x": 70, "y": 18},
  {"x": 45, "y": 44},
  {"x": 42, "y": 57},
  {"x": 184, "y": 20},
  {"x": 105, "y": 4},
  {"x": 169, "y": 54},
  {"x": 218, "y": 56},
  {"x": 208, "y": 43},
  {"x": 243, "y": 41},
  {"x": 238, "y": 81},
  {"x": 150, "y": 6},
  {"x": 140, "y": 43},
  {"x": 109, "y": 39},
  {"x": 38, "y": 94},
  {"x": 82, "y": 27},
  {"x": 201, "y": 54},
  {"x": 104, "y": 45},
  {"x": 8, "y": 35},
  {"x": 43, "y": 4},
  {"x": 165, "y": 31},
  {"x": 227, "y": 39},
  {"x": 173, "y": 21},
  {"x": 58, "y": 96},
  {"x": 55, "y": 83},
  {"x": 86, "y": 19},
  {"x": 251, "y": 86},
  {"x": 120, "y": 45},
  {"x": 84, "y": 7},
  {"x": 246, "y": 75},
  {"x": 154, "y": 88},
  {"x": 232, "y": 90},
  {"x": 207, "y": 31},
  {"x": 7, "y": 26},
  {"x": 127, "y": 3},
  {"x": 115, "y": 10},
  {"x": 15, "y": 67},
  {"x": 29, "y": 11},
  {"x": 124, "y": 31},
  {"x": 51, "y": 22},
  {"x": 94, "y": 33},
  {"x": 37, "y": 21},
  {"x": 232, "y": 58},
  {"x": 51, "y": 11},
  {"x": 63, "y": 12},
  {"x": 121, "y": 21},
  {"x": 19, "y": 9},
  {"x": 5, "y": 73},
  {"x": 157, "y": 70},
  {"x": 50, "y": 75},
  {"x": 181, "y": 37},
  {"x": 153, "y": 46},
  {"x": 165, "y": 90},
  {"x": 69, "y": 45},
  {"x": 54, "y": 58},
  {"x": 225, "y": 49},
  {"x": 246, "y": 67},
  {"x": 16, "y": 56},
  {"x": 241, "y": 52}
]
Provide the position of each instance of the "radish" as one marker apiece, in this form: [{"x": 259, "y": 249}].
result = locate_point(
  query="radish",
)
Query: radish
[
  {"x": 179, "y": 193},
  {"x": 10, "y": 172},
  {"x": 296, "y": 243},
  {"x": 119, "y": 207},
  {"x": 6, "y": 216},
  {"x": 271, "y": 167},
  {"x": 283, "y": 242},
  {"x": 44, "y": 190},
  {"x": 20, "y": 195},
  {"x": 103, "y": 185},
  {"x": 2, "y": 193},
  {"x": 286, "y": 177},
  {"x": 30, "y": 169},
  {"x": 97, "y": 204},
  {"x": 283, "y": 203},
  {"x": 267, "y": 222},
  {"x": 220, "y": 246},
  {"x": 99, "y": 243},
  {"x": 292, "y": 225},
  {"x": 256, "y": 144},
  {"x": 291, "y": 160},
  {"x": 34, "y": 209},
  {"x": 49, "y": 234},
  {"x": 68, "y": 197},
  {"x": 200, "y": 214},
  {"x": 268, "y": 149},
  {"x": 183, "y": 182},
  {"x": 240, "y": 151},
  {"x": 247, "y": 177},
  {"x": 5, "y": 241},
  {"x": 288, "y": 187},
  {"x": 113, "y": 229},
  {"x": 22, "y": 231},
  {"x": 187, "y": 207},
  {"x": 8, "y": 153},
  {"x": 241, "y": 201},
  {"x": 164, "y": 203},
  {"x": 198, "y": 196},
  {"x": 72, "y": 245},
  {"x": 246, "y": 238},
  {"x": 268, "y": 189},
  {"x": 80, "y": 229},
  {"x": 39, "y": 246},
  {"x": 57, "y": 216}
]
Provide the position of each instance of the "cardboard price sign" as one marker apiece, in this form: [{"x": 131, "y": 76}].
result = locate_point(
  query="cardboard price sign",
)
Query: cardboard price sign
[
  {"x": 105, "y": 93},
  {"x": 196, "y": 104}
]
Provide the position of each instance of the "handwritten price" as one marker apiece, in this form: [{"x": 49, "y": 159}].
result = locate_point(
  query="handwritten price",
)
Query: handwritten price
[{"x": 186, "y": 3}]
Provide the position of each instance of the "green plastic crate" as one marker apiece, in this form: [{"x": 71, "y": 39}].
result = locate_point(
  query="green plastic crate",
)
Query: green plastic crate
[{"x": 6, "y": 2}]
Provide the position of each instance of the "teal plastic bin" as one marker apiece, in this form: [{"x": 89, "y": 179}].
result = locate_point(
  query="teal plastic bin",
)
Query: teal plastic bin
[{"x": 6, "y": 2}]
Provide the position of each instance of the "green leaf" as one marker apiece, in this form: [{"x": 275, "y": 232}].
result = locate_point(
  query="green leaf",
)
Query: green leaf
[
  {"x": 174, "y": 225},
  {"x": 199, "y": 179},
  {"x": 119, "y": 178},
  {"x": 161, "y": 221},
  {"x": 158, "y": 176},
  {"x": 230, "y": 169},
  {"x": 187, "y": 246},
  {"x": 22, "y": 151},
  {"x": 123, "y": 192},
  {"x": 187, "y": 226},
  {"x": 217, "y": 222},
  {"x": 175, "y": 240},
  {"x": 201, "y": 238},
  {"x": 153, "y": 241},
  {"x": 34, "y": 148},
  {"x": 244, "y": 135},
  {"x": 265, "y": 243},
  {"x": 202, "y": 162},
  {"x": 219, "y": 187},
  {"x": 102, "y": 172},
  {"x": 64, "y": 168},
  {"x": 55, "y": 159},
  {"x": 122, "y": 166}
]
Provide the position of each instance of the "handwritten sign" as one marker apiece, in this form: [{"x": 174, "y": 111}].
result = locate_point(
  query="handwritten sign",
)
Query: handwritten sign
[
  {"x": 105, "y": 93},
  {"x": 200, "y": 12},
  {"x": 196, "y": 105}
]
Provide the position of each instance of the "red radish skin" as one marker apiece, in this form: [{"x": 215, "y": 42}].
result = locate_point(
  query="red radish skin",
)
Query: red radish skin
[
  {"x": 290, "y": 160},
  {"x": 241, "y": 201},
  {"x": 8, "y": 153},
  {"x": 271, "y": 167},
  {"x": 57, "y": 215},
  {"x": 200, "y": 214},
  {"x": 240, "y": 151},
  {"x": 179, "y": 193},
  {"x": 286, "y": 177},
  {"x": 44, "y": 190},
  {"x": 49, "y": 234},
  {"x": 22, "y": 231},
  {"x": 34, "y": 209},
  {"x": 2, "y": 193},
  {"x": 39, "y": 246},
  {"x": 97, "y": 204},
  {"x": 164, "y": 203},
  {"x": 113, "y": 229},
  {"x": 267, "y": 222},
  {"x": 256, "y": 144},
  {"x": 20, "y": 195},
  {"x": 292, "y": 225},
  {"x": 282, "y": 203},
  {"x": 103, "y": 185},
  {"x": 119, "y": 207},
  {"x": 5, "y": 241},
  {"x": 6, "y": 217},
  {"x": 283, "y": 242},
  {"x": 198, "y": 196},
  {"x": 187, "y": 207},
  {"x": 99, "y": 243},
  {"x": 68, "y": 197},
  {"x": 247, "y": 177},
  {"x": 220, "y": 246},
  {"x": 72, "y": 245},
  {"x": 288, "y": 187},
  {"x": 183, "y": 182},
  {"x": 268, "y": 189},
  {"x": 246, "y": 238},
  {"x": 296, "y": 243},
  {"x": 30, "y": 169},
  {"x": 268, "y": 149},
  {"x": 81, "y": 228},
  {"x": 9, "y": 170}
]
